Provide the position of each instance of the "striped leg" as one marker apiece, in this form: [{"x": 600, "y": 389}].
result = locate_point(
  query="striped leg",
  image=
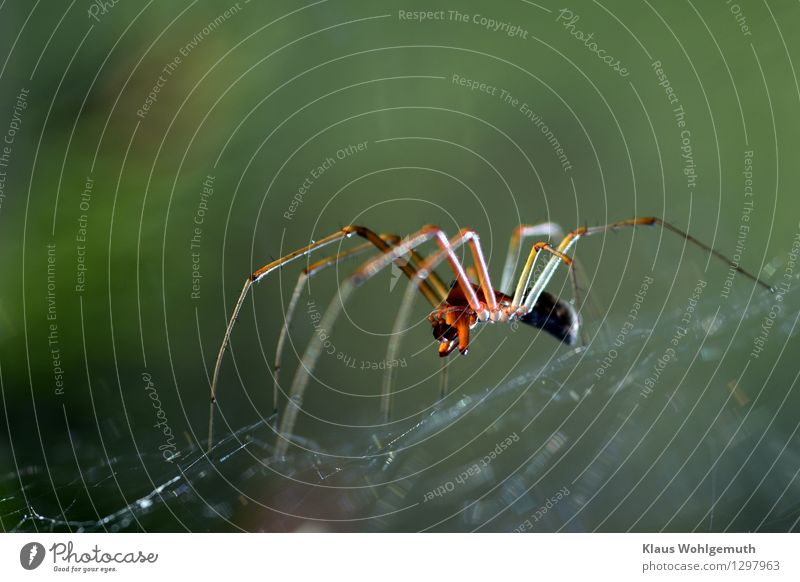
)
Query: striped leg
[
  {"x": 553, "y": 232},
  {"x": 312, "y": 270},
  {"x": 569, "y": 241},
  {"x": 465, "y": 236},
  {"x": 433, "y": 296},
  {"x": 547, "y": 229},
  {"x": 365, "y": 272}
]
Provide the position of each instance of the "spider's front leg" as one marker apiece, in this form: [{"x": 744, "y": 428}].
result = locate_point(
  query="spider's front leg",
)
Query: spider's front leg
[
  {"x": 369, "y": 270},
  {"x": 436, "y": 284},
  {"x": 433, "y": 291},
  {"x": 465, "y": 236},
  {"x": 254, "y": 278}
]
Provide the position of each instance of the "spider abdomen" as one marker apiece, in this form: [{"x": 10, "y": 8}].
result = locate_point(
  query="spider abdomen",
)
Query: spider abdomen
[{"x": 556, "y": 317}]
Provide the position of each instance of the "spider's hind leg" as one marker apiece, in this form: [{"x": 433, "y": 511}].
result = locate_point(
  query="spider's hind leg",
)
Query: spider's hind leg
[
  {"x": 367, "y": 271},
  {"x": 572, "y": 238},
  {"x": 431, "y": 293},
  {"x": 302, "y": 280},
  {"x": 546, "y": 229},
  {"x": 532, "y": 296},
  {"x": 465, "y": 236},
  {"x": 436, "y": 285},
  {"x": 554, "y": 233}
]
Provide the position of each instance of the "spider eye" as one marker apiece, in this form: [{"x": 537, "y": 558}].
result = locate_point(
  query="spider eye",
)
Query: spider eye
[{"x": 444, "y": 333}]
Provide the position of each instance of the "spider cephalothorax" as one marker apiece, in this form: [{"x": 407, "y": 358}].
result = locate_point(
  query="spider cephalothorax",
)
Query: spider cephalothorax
[
  {"x": 454, "y": 319},
  {"x": 451, "y": 327}
]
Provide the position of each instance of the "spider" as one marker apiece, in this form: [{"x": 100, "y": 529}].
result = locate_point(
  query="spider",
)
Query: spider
[{"x": 456, "y": 309}]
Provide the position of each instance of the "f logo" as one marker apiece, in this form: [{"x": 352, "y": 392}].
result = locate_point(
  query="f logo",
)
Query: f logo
[
  {"x": 31, "y": 555},
  {"x": 396, "y": 273}
]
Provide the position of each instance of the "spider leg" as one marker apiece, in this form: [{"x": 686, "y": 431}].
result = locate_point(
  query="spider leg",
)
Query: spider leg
[
  {"x": 471, "y": 238},
  {"x": 523, "y": 231},
  {"x": 568, "y": 242},
  {"x": 554, "y": 232},
  {"x": 305, "y": 275},
  {"x": 371, "y": 268},
  {"x": 443, "y": 388},
  {"x": 312, "y": 270},
  {"x": 430, "y": 294},
  {"x": 465, "y": 236},
  {"x": 527, "y": 271},
  {"x": 393, "y": 351}
]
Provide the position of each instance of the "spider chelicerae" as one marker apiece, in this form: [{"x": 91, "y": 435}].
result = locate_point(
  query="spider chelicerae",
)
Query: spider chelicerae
[{"x": 456, "y": 309}]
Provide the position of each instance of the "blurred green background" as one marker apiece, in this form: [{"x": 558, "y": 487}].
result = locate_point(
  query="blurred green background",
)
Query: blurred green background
[{"x": 130, "y": 110}]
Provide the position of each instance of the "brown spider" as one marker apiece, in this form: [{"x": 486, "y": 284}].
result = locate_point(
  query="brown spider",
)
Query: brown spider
[{"x": 455, "y": 310}]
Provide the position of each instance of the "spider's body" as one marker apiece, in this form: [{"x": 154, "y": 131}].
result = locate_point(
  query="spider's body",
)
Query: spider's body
[
  {"x": 453, "y": 320},
  {"x": 456, "y": 310}
]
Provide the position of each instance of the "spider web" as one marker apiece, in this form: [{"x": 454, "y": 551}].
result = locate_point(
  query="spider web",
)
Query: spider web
[{"x": 576, "y": 461}]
